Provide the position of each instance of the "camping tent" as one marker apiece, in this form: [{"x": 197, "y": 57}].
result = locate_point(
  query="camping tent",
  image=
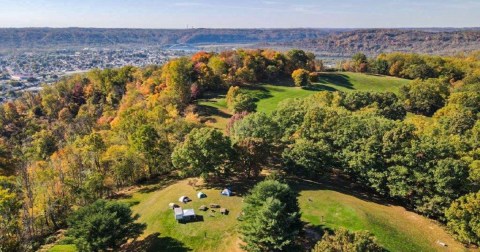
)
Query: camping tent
[
  {"x": 227, "y": 192},
  {"x": 184, "y": 199},
  {"x": 178, "y": 213},
  {"x": 201, "y": 195},
  {"x": 189, "y": 214},
  {"x": 172, "y": 205}
]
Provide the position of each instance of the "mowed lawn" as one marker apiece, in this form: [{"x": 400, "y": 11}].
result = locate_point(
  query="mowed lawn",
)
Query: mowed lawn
[
  {"x": 214, "y": 109},
  {"x": 213, "y": 232},
  {"x": 395, "y": 228}
]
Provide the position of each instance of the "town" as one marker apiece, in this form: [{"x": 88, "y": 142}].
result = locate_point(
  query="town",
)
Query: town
[{"x": 22, "y": 71}]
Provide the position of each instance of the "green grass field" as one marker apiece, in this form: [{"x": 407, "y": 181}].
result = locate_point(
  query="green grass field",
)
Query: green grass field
[
  {"x": 214, "y": 107},
  {"x": 215, "y": 232},
  {"x": 322, "y": 205},
  {"x": 395, "y": 228}
]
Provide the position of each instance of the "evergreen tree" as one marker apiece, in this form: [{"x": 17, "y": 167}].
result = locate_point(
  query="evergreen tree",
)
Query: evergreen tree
[
  {"x": 103, "y": 225},
  {"x": 272, "y": 218}
]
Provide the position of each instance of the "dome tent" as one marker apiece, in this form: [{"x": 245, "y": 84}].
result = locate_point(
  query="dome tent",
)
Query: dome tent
[
  {"x": 226, "y": 192},
  {"x": 184, "y": 199},
  {"x": 201, "y": 195}
]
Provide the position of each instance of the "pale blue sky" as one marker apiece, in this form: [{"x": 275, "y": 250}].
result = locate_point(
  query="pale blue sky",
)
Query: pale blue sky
[{"x": 240, "y": 14}]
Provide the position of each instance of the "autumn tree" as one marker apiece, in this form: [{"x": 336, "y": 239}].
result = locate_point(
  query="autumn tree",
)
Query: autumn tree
[
  {"x": 177, "y": 76},
  {"x": 463, "y": 218},
  {"x": 346, "y": 241},
  {"x": 10, "y": 205},
  {"x": 301, "y": 77}
]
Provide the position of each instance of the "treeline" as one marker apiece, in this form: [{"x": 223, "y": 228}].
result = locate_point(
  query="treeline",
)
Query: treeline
[
  {"x": 461, "y": 67},
  {"x": 90, "y": 135}
]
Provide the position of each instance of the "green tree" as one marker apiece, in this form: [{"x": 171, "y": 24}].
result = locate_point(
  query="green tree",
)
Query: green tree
[
  {"x": 205, "y": 151},
  {"x": 103, "y": 225},
  {"x": 346, "y": 241},
  {"x": 244, "y": 102},
  {"x": 301, "y": 77},
  {"x": 299, "y": 59},
  {"x": 308, "y": 158},
  {"x": 154, "y": 148},
  {"x": 44, "y": 144},
  {"x": 425, "y": 97},
  {"x": 251, "y": 156},
  {"x": 271, "y": 220},
  {"x": 256, "y": 125},
  {"x": 463, "y": 218}
]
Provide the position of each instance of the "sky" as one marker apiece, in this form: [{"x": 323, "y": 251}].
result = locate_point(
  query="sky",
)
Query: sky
[{"x": 240, "y": 13}]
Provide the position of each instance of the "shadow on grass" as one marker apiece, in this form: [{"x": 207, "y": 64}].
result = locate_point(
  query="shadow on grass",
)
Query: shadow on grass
[
  {"x": 341, "y": 185},
  {"x": 154, "y": 243},
  {"x": 319, "y": 87},
  {"x": 238, "y": 186},
  {"x": 159, "y": 182},
  {"x": 208, "y": 111},
  {"x": 336, "y": 79},
  {"x": 312, "y": 234},
  {"x": 198, "y": 218},
  {"x": 285, "y": 82}
]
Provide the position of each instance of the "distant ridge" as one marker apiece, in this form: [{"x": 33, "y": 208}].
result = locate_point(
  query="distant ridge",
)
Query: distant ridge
[{"x": 328, "y": 41}]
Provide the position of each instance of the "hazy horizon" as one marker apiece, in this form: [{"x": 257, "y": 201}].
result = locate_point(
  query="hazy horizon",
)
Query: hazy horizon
[{"x": 247, "y": 14}]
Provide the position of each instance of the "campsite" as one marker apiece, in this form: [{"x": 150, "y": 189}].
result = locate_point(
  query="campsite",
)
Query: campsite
[{"x": 212, "y": 232}]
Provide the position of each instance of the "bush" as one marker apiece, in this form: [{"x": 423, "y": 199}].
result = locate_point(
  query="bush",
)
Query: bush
[{"x": 346, "y": 241}]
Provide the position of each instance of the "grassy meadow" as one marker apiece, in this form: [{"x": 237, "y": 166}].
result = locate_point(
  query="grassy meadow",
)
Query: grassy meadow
[{"x": 214, "y": 111}]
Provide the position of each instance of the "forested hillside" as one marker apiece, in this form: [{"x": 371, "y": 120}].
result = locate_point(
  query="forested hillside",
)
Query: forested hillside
[
  {"x": 375, "y": 41},
  {"x": 88, "y": 136},
  {"x": 335, "y": 42}
]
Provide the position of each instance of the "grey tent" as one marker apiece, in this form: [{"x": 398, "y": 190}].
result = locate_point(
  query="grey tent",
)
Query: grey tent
[{"x": 227, "y": 192}]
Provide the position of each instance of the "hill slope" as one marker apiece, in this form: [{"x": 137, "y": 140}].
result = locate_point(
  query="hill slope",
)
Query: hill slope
[
  {"x": 394, "y": 227},
  {"x": 334, "y": 42},
  {"x": 214, "y": 107}
]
